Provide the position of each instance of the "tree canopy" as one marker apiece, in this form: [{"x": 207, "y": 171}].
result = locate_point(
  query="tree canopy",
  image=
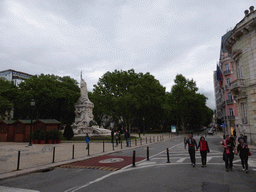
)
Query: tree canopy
[
  {"x": 128, "y": 96},
  {"x": 54, "y": 97},
  {"x": 8, "y": 93}
]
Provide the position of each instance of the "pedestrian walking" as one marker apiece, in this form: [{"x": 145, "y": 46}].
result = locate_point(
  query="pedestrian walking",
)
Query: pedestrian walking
[
  {"x": 234, "y": 133},
  {"x": 239, "y": 138},
  {"x": 204, "y": 149},
  {"x": 243, "y": 151},
  {"x": 229, "y": 149},
  {"x": 192, "y": 148},
  {"x": 127, "y": 137},
  {"x": 87, "y": 140},
  {"x": 117, "y": 137},
  {"x": 139, "y": 133}
]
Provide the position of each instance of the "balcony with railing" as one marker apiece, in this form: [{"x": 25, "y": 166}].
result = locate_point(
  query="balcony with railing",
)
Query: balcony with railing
[
  {"x": 236, "y": 85},
  {"x": 227, "y": 72},
  {"x": 229, "y": 101},
  {"x": 231, "y": 117}
]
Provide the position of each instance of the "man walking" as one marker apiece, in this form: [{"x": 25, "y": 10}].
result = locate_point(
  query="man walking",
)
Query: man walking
[
  {"x": 192, "y": 148},
  {"x": 127, "y": 136}
]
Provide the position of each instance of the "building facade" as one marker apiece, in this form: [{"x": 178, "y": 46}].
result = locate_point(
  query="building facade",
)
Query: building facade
[
  {"x": 242, "y": 46},
  {"x": 226, "y": 110},
  {"x": 16, "y": 76}
]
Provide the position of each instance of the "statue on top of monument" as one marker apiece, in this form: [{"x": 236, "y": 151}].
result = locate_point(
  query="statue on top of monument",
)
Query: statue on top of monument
[{"x": 83, "y": 88}]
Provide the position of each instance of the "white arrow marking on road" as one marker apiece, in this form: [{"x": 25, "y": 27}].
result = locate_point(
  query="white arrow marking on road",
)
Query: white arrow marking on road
[
  {"x": 209, "y": 159},
  {"x": 181, "y": 160}
]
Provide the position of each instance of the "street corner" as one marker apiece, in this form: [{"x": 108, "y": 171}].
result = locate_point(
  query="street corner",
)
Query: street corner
[{"x": 106, "y": 162}]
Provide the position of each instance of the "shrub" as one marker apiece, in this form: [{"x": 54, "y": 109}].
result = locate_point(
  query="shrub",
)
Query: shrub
[
  {"x": 50, "y": 135},
  {"x": 68, "y": 132},
  {"x": 35, "y": 134},
  {"x": 42, "y": 135}
]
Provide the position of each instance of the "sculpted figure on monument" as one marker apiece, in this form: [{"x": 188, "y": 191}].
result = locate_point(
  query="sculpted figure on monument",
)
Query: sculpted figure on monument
[{"x": 84, "y": 92}]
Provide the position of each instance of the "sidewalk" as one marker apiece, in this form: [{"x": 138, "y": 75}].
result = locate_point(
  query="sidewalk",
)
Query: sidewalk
[{"x": 39, "y": 157}]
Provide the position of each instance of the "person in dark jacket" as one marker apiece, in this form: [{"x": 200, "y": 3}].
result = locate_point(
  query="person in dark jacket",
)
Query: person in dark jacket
[
  {"x": 203, "y": 150},
  {"x": 229, "y": 148},
  {"x": 243, "y": 151},
  {"x": 191, "y": 148},
  {"x": 127, "y": 137}
]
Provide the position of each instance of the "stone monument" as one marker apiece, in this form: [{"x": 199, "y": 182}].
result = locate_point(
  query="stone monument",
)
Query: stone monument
[{"x": 84, "y": 114}]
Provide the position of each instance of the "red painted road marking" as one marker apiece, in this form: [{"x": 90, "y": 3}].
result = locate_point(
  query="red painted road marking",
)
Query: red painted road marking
[{"x": 96, "y": 161}]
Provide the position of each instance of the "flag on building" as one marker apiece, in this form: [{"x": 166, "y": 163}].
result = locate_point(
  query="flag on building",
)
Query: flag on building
[{"x": 219, "y": 76}]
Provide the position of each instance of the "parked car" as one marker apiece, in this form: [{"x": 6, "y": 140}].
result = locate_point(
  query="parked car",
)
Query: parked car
[{"x": 211, "y": 131}]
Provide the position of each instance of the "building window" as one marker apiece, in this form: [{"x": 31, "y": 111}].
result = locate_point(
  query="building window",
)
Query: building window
[
  {"x": 228, "y": 81},
  {"x": 244, "y": 114},
  {"x": 231, "y": 111},
  {"x": 239, "y": 69},
  {"x": 229, "y": 97},
  {"x": 227, "y": 67}
]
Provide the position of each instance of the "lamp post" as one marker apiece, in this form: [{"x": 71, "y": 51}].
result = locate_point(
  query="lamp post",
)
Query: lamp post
[{"x": 32, "y": 103}]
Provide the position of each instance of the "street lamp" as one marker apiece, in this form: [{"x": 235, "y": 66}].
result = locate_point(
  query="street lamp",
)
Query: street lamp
[{"x": 32, "y": 104}]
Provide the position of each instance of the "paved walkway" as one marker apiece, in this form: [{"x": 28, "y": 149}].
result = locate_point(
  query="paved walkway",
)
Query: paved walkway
[{"x": 39, "y": 157}]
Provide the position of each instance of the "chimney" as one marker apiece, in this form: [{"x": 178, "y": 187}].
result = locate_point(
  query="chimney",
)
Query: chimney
[
  {"x": 251, "y": 9},
  {"x": 246, "y": 12}
]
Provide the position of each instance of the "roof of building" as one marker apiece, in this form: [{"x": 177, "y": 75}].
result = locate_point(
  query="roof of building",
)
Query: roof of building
[
  {"x": 27, "y": 121},
  {"x": 224, "y": 38},
  {"x": 16, "y": 72},
  {"x": 49, "y": 121},
  {"x": 8, "y": 121}
]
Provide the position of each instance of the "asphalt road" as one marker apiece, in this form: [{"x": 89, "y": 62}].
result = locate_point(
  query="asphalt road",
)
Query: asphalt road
[{"x": 153, "y": 175}]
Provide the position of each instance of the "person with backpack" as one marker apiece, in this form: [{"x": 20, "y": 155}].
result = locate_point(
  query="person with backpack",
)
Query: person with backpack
[
  {"x": 191, "y": 148},
  {"x": 229, "y": 148},
  {"x": 204, "y": 149},
  {"x": 243, "y": 151}
]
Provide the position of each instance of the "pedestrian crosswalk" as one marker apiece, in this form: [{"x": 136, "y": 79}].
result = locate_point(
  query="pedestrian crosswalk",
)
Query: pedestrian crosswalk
[{"x": 179, "y": 155}]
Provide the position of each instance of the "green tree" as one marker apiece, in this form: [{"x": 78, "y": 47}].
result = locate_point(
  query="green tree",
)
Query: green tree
[
  {"x": 129, "y": 96},
  {"x": 68, "y": 132},
  {"x": 188, "y": 106},
  {"x": 54, "y": 97},
  {"x": 8, "y": 95}
]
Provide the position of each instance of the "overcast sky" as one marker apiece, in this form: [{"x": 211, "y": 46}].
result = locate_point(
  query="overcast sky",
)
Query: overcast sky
[{"x": 165, "y": 37}]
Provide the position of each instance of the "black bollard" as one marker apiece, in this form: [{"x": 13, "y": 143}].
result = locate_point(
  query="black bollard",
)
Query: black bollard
[
  {"x": 53, "y": 154},
  {"x": 147, "y": 153},
  {"x": 88, "y": 149},
  {"x": 103, "y": 147},
  {"x": 73, "y": 152},
  {"x": 18, "y": 164},
  {"x": 133, "y": 159},
  {"x": 168, "y": 158}
]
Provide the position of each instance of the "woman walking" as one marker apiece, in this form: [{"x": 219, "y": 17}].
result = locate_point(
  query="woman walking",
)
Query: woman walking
[
  {"x": 243, "y": 151},
  {"x": 204, "y": 149}
]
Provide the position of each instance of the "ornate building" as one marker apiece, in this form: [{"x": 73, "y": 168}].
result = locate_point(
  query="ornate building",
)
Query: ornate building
[{"x": 242, "y": 46}]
